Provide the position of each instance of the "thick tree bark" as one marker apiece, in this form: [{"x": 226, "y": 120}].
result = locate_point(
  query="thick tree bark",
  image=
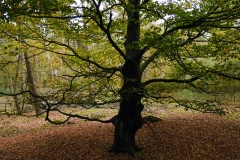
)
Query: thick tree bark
[
  {"x": 129, "y": 118},
  {"x": 127, "y": 123}
]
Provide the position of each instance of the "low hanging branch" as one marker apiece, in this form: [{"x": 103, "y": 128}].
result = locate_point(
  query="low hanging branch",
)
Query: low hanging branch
[
  {"x": 111, "y": 120},
  {"x": 171, "y": 80},
  {"x": 69, "y": 115},
  {"x": 14, "y": 94}
]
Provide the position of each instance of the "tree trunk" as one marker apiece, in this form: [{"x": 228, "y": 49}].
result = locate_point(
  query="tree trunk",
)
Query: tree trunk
[
  {"x": 129, "y": 118},
  {"x": 14, "y": 83},
  {"x": 127, "y": 123},
  {"x": 13, "y": 89},
  {"x": 35, "y": 64},
  {"x": 31, "y": 84}
]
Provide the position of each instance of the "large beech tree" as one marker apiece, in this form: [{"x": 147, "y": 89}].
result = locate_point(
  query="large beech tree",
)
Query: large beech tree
[{"x": 146, "y": 43}]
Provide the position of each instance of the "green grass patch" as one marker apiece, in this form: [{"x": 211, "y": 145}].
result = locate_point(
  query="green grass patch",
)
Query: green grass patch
[
  {"x": 97, "y": 113},
  {"x": 234, "y": 115}
]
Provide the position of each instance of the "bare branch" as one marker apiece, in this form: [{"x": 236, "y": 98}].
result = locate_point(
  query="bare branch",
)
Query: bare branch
[
  {"x": 171, "y": 80},
  {"x": 111, "y": 120},
  {"x": 224, "y": 75}
]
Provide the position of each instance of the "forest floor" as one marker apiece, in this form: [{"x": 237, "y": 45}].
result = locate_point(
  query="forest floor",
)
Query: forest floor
[{"x": 180, "y": 136}]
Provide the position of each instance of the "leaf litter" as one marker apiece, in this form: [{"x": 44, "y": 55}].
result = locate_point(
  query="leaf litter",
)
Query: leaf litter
[{"x": 177, "y": 137}]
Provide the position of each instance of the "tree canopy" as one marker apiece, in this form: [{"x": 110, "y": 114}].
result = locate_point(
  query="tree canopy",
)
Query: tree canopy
[{"x": 126, "y": 51}]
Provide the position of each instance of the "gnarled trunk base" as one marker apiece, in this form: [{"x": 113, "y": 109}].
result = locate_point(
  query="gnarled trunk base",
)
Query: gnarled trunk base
[
  {"x": 124, "y": 139},
  {"x": 126, "y": 123}
]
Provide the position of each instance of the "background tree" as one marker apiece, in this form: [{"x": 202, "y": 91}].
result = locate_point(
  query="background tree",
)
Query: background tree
[{"x": 132, "y": 45}]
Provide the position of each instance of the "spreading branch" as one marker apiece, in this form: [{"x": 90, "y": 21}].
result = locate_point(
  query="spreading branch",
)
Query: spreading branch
[
  {"x": 69, "y": 115},
  {"x": 170, "y": 80}
]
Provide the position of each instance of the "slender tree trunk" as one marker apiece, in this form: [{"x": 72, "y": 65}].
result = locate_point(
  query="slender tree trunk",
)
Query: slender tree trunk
[
  {"x": 36, "y": 75},
  {"x": 31, "y": 84},
  {"x": 15, "y": 98},
  {"x": 23, "y": 72},
  {"x": 14, "y": 83},
  {"x": 129, "y": 118},
  {"x": 91, "y": 93}
]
